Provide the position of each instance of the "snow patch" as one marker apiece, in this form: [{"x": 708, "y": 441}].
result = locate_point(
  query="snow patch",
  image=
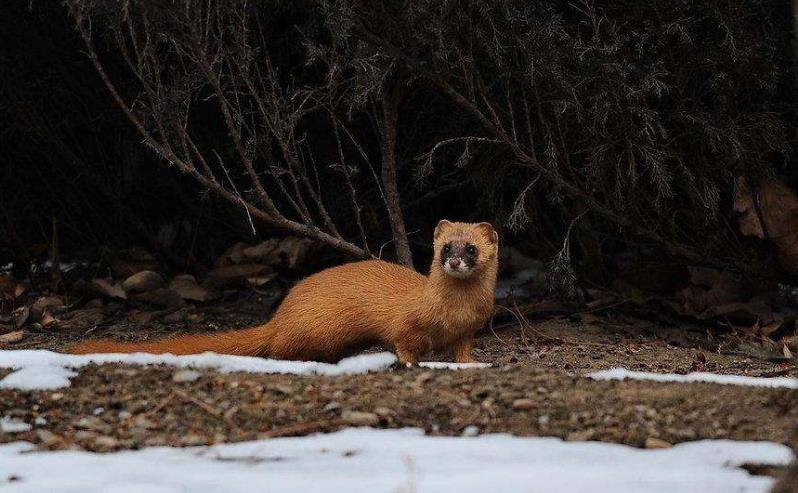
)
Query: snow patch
[
  {"x": 443, "y": 365},
  {"x": 397, "y": 460},
  {"x": 46, "y": 370},
  {"x": 38, "y": 377},
  {"x": 11, "y": 425},
  {"x": 623, "y": 373}
]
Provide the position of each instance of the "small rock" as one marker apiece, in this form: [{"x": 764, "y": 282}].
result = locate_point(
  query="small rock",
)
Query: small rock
[
  {"x": 12, "y": 337},
  {"x": 48, "y": 438},
  {"x": 141, "y": 421},
  {"x": 331, "y": 407},
  {"x": 282, "y": 388},
  {"x": 85, "y": 435},
  {"x": 260, "y": 281},
  {"x": 192, "y": 440},
  {"x": 579, "y": 436},
  {"x": 162, "y": 297},
  {"x": 177, "y": 316},
  {"x": 108, "y": 290},
  {"x": 383, "y": 412},
  {"x": 262, "y": 252},
  {"x": 143, "y": 281},
  {"x": 234, "y": 275},
  {"x": 233, "y": 255},
  {"x": 93, "y": 423},
  {"x": 470, "y": 431},
  {"x": 657, "y": 443},
  {"x": 359, "y": 418},
  {"x": 523, "y": 404},
  {"x": 125, "y": 263},
  {"x": 46, "y": 304},
  {"x": 141, "y": 317},
  {"x": 423, "y": 378},
  {"x": 182, "y": 376},
  {"x": 104, "y": 443},
  {"x": 187, "y": 288}
]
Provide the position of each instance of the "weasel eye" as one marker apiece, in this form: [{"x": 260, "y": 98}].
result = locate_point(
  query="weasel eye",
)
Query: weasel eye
[
  {"x": 447, "y": 249},
  {"x": 471, "y": 250}
]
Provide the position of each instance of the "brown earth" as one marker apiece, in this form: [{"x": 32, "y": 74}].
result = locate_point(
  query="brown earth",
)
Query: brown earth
[{"x": 535, "y": 387}]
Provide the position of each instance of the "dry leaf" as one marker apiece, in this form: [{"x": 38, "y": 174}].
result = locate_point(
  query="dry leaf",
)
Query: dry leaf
[
  {"x": 47, "y": 319},
  {"x": 12, "y": 337},
  {"x": 779, "y": 210},
  {"x": 787, "y": 352},
  {"x": 589, "y": 318}
]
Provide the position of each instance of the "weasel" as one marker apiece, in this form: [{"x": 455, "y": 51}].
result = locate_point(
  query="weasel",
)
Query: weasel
[{"x": 343, "y": 309}]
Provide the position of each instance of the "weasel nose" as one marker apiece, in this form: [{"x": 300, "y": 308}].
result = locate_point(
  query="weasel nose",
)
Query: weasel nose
[{"x": 454, "y": 263}]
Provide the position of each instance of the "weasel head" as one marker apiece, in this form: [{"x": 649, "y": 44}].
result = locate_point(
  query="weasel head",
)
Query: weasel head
[{"x": 463, "y": 250}]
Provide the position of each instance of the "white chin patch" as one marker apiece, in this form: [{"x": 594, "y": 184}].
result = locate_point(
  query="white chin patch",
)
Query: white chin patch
[{"x": 461, "y": 272}]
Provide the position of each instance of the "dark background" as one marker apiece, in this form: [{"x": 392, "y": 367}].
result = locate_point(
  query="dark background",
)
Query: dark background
[{"x": 70, "y": 155}]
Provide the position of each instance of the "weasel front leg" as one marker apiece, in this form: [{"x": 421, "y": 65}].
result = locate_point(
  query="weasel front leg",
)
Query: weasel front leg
[
  {"x": 412, "y": 344},
  {"x": 462, "y": 350}
]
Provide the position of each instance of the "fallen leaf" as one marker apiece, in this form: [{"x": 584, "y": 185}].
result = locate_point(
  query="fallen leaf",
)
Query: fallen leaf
[
  {"x": 778, "y": 207},
  {"x": 787, "y": 352},
  {"x": 21, "y": 316},
  {"x": 12, "y": 337},
  {"x": 47, "y": 319}
]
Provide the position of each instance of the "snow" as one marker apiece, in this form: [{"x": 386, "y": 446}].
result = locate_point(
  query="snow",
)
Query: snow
[
  {"x": 442, "y": 365},
  {"x": 375, "y": 461},
  {"x": 46, "y": 370},
  {"x": 40, "y": 377},
  {"x": 623, "y": 373},
  {"x": 11, "y": 425}
]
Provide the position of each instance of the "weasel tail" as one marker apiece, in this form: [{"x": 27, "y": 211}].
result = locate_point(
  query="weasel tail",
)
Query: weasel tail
[
  {"x": 344, "y": 309},
  {"x": 245, "y": 342}
]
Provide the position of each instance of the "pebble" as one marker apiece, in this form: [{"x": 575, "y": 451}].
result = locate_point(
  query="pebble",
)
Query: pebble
[
  {"x": 383, "y": 412},
  {"x": 332, "y": 406},
  {"x": 423, "y": 378},
  {"x": 657, "y": 443},
  {"x": 359, "y": 418},
  {"x": 104, "y": 442},
  {"x": 93, "y": 423},
  {"x": 523, "y": 404},
  {"x": 145, "y": 280},
  {"x": 470, "y": 431},
  {"x": 48, "y": 438},
  {"x": 12, "y": 337},
  {"x": 183, "y": 376}
]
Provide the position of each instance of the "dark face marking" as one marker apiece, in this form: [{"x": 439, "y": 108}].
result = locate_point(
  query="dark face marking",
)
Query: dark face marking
[{"x": 465, "y": 252}]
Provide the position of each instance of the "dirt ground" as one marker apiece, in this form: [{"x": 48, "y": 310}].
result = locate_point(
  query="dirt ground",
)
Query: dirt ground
[{"x": 535, "y": 387}]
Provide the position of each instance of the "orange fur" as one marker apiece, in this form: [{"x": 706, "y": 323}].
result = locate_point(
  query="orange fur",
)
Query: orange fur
[{"x": 343, "y": 309}]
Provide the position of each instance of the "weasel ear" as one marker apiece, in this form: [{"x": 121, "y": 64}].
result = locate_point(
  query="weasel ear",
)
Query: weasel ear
[
  {"x": 443, "y": 224},
  {"x": 490, "y": 233}
]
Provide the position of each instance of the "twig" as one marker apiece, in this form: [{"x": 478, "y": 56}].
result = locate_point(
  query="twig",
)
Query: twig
[
  {"x": 305, "y": 427},
  {"x": 208, "y": 409}
]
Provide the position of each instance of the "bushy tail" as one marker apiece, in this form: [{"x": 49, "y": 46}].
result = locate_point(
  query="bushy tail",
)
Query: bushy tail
[{"x": 244, "y": 342}]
